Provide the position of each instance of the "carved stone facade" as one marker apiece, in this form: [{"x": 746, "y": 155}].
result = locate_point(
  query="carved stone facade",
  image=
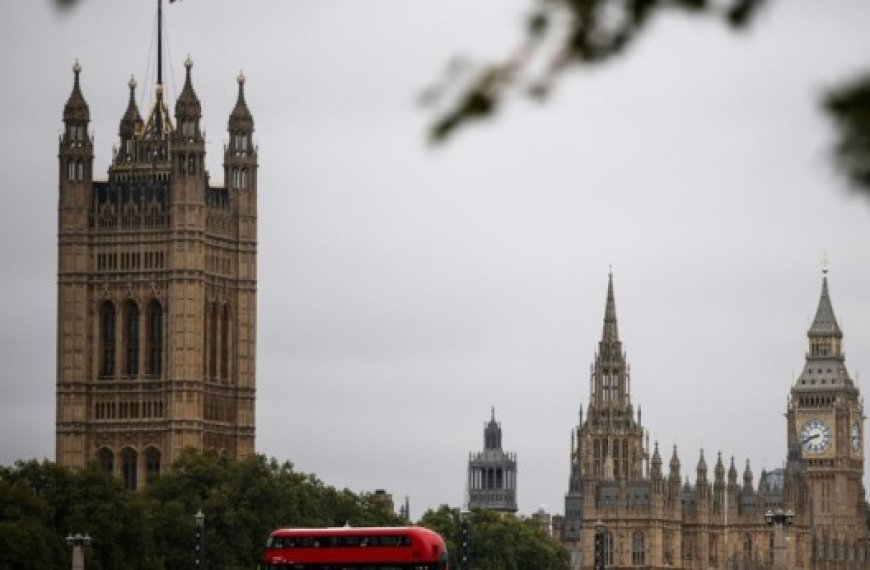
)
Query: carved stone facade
[
  {"x": 655, "y": 519},
  {"x": 156, "y": 290}
]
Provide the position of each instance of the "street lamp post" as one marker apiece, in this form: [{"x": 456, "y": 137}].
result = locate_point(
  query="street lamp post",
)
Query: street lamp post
[
  {"x": 599, "y": 545},
  {"x": 779, "y": 520},
  {"x": 78, "y": 542},
  {"x": 199, "y": 536},
  {"x": 464, "y": 540}
]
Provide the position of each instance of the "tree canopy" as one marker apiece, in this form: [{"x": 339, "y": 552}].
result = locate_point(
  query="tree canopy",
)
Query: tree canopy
[
  {"x": 42, "y": 503},
  {"x": 497, "y": 542}
]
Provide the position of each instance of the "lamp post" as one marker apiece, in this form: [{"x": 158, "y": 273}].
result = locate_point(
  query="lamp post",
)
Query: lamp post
[
  {"x": 599, "y": 545},
  {"x": 779, "y": 520},
  {"x": 199, "y": 536},
  {"x": 78, "y": 542},
  {"x": 464, "y": 540}
]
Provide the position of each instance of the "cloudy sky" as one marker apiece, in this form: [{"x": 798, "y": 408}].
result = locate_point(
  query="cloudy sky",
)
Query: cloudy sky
[{"x": 405, "y": 289}]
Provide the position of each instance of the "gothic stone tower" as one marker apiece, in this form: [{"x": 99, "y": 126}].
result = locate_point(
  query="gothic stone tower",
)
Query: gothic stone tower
[
  {"x": 492, "y": 473},
  {"x": 156, "y": 290},
  {"x": 825, "y": 421}
]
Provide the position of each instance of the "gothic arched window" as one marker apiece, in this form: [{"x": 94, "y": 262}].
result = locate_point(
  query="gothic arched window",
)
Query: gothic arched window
[
  {"x": 106, "y": 459},
  {"x": 129, "y": 466},
  {"x": 155, "y": 338},
  {"x": 638, "y": 549},
  {"x": 131, "y": 338},
  {"x": 107, "y": 339},
  {"x": 152, "y": 463}
]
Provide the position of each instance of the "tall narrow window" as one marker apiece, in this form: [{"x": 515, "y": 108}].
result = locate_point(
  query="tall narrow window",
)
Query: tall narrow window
[
  {"x": 212, "y": 342},
  {"x": 608, "y": 548},
  {"x": 129, "y": 466},
  {"x": 152, "y": 464},
  {"x": 155, "y": 338},
  {"x": 638, "y": 549},
  {"x": 225, "y": 343},
  {"x": 131, "y": 338},
  {"x": 107, "y": 334},
  {"x": 668, "y": 548},
  {"x": 106, "y": 459},
  {"x": 747, "y": 547}
]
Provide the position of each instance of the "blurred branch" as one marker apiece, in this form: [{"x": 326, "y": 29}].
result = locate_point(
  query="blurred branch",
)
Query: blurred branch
[
  {"x": 559, "y": 35},
  {"x": 849, "y": 108}
]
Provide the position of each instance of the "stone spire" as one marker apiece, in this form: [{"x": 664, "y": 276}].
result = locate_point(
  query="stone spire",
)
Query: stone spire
[
  {"x": 610, "y": 334},
  {"x": 188, "y": 107},
  {"x": 825, "y": 359},
  {"x": 610, "y": 371},
  {"x": 719, "y": 470},
  {"x": 492, "y": 433},
  {"x": 747, "y": 478},
  {"x": 241, "y": 120},
  {"x": 825, "y": 323},
  {"x": 674, "y": 474},
  {"x": 76, "y": 108},
  {"x": 656, "y": 463},
  {"x": 131, "y": 122},
  {"x": 732, "y": 474},
  {"x": 701, "y": 470}
]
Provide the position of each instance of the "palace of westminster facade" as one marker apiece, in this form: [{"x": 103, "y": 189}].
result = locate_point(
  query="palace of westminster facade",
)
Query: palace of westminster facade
[{"x": 156, "y": 353}]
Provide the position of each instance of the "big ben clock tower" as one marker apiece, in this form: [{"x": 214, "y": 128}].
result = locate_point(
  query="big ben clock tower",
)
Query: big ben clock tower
[{"x": 826, "y": 421}]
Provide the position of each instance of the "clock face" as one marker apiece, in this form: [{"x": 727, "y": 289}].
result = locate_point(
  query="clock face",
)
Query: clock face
[
  {"x": 855, "y": 437},
  {"x": 815, "y": 436}
]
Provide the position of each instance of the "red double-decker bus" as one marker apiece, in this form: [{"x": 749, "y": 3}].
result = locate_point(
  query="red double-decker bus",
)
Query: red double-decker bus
[{"x": 348, "y": 548}]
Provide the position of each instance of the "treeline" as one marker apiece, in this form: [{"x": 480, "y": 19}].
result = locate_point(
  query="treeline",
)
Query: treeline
[
  {"x": 42, "y": 503},
  {"x": 243, "y": 501},
  {"x": 497, "y": 542}
]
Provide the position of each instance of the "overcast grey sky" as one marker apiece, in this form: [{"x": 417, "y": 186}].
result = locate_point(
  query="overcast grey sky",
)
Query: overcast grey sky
[{"x": 404, "y": 290}]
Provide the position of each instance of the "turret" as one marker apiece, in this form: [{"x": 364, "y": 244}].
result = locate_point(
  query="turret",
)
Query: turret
[
  {"x": 492, "y": 433},
  {"x": 674, "y": 474},
  {"x": 76, "y": 150},
  {"x": 732, "y": 475},
  {"x": 747, "y": 478},
  {"x": 130, "y": 127},
  {"x": 719, "y": 471},
  {"x": 75, "y": 162},
  {"x": 701, "y": 470},
  {"x": 188, "y": 142},
  {"x": 656, "y": 464},
  {"x": 240, "y": 156}
]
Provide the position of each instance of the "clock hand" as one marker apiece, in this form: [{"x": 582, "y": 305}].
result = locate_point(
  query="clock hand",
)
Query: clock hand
[{"x": 809, "y": 437}]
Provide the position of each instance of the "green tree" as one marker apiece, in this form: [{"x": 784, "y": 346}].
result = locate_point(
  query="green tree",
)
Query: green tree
[
  {"x": 48, "y": 502},
  {"x": 243, "y": 502},
  {"x": 498, "y": 542}
]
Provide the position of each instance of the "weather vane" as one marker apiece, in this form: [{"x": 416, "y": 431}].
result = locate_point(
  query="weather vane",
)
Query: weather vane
[{"x": 826, "y": 263}]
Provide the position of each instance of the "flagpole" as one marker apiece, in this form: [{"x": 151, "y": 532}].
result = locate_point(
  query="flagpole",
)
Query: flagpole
[{"x": 159, "y": 42}]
